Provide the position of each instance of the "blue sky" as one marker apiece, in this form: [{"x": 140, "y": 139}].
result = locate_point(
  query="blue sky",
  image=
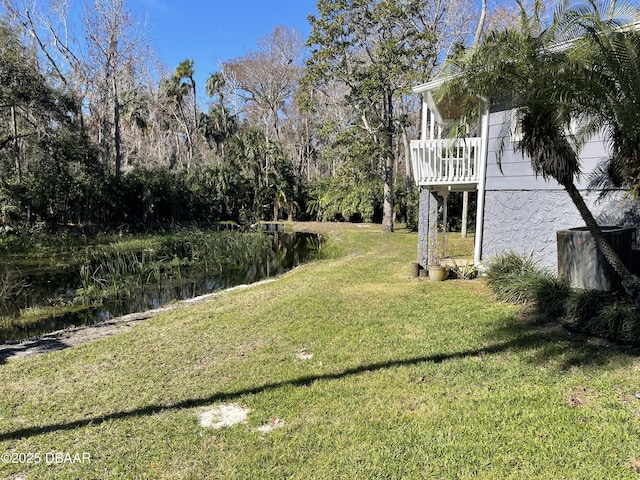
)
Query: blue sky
[{"x": 212, "y": 31}]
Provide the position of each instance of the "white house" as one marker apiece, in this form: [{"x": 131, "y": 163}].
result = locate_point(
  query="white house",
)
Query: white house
[{"x": 515, "y": 209}]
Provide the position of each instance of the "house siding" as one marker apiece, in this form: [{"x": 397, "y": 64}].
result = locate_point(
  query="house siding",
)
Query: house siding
[
  {"x": 526, "y": 221},
  {"x": 514, "y": 171},
  {"x": 523, "y": 212}
]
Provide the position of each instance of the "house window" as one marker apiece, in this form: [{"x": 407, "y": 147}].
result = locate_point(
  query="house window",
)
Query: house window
[{"x": 516, "y": 129}]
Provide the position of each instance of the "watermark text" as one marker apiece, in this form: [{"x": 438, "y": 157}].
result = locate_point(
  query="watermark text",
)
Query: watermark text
[{"x": 48, "y": 458}]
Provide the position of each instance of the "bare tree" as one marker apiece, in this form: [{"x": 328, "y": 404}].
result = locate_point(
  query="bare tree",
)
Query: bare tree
[
  {"x": 48, "y": 28},
  {"x": 93, "y": 63},
  {"x": 483, "y": 16},
  {"x": 266, "y": 80},
  {"x": 114, "y": 41},
  {"x": 497, "y": 15}
]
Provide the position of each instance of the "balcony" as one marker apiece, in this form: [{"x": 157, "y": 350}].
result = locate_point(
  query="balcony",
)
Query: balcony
[{"x": 452, "y": 164}]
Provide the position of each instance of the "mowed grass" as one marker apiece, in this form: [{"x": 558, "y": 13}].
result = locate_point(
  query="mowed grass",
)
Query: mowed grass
[{"x": 400, "y": 378}]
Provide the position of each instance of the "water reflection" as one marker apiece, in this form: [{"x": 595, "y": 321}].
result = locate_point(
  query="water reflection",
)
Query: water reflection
[{"x": 51, "y": 286}]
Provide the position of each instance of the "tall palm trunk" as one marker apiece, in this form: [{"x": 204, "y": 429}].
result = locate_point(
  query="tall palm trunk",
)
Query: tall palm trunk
[
  {"x": 630, "y": 283},
  {"x": 387, "y": 205},
  {"x": 16, "y": 143},
  {"x": 117, "y": 135}
]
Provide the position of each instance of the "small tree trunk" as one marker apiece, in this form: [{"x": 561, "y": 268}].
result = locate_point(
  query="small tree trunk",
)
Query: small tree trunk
[
  {"x": 407, "y": 160},
  {"x": 387, "y": 212},
  {"x": 407, "y": 151},
  {"x": 16, "y": 145},
  {"x": 483, "y": 15},
  {"x": 116, "y": 128},
  {"x": 276, "y": 209},
  {"x": 195, "y": 104},
  {"x": 387, "y": 209}
]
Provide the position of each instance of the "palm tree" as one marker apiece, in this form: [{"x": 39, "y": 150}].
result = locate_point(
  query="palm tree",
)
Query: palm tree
[
  {"x": 217, "y": 126},
  {"x": 185, "y": 71},
  {"x": 526, "y": 70},
  {"x": 608, "y": 90},
  {"x": 176, "y": 90}
]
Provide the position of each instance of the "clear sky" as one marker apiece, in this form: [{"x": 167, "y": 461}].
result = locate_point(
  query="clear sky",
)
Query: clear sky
[{"x": 213, "y": 31}]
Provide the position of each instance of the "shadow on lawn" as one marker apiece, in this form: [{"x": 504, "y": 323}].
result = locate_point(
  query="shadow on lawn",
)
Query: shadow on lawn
[
  {"x": 546, "y": 343},
  {"x": 36, "y": 346}
]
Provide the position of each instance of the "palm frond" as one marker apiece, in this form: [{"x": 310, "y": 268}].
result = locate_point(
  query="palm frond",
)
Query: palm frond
[{"x": 608, "y": 177}]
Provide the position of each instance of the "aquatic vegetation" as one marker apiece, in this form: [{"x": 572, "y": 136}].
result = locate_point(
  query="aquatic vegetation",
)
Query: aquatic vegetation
[
  {"x": 10, "y": 286},
  {"x": 134, "y": 273},
  {"x": 118, "y": 270}
]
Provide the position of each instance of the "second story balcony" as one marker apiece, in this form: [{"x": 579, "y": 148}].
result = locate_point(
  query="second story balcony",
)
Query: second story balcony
[{"x": 445, "y": 163}]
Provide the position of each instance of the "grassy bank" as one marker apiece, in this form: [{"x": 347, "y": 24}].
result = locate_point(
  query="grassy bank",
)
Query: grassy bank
[
  {"x": 363, "y": 372},
  {"x": 35, "y": 288}
]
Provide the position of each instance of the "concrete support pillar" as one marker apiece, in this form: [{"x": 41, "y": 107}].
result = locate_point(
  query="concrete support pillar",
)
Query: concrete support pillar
[
  {"x": 427, "y": 224},
  {"x": 445, "y": 210},
  {"x": 465, "y": 212}
]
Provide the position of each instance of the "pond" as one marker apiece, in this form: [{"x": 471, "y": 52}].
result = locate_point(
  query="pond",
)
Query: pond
[{"x": 45, "y": 296}]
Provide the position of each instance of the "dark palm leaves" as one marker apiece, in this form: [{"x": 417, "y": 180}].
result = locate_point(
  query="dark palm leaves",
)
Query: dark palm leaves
[
  {"x": 544, "y": 140},
  {"x": 607, "y": 92},
  {"x": 608, "y": 177}
]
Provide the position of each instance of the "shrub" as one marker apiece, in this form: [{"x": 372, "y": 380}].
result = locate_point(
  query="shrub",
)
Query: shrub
[
  {"x": 508, "y": 264},
  {"x": 603, "y": 314},
  {"x": 464, "y": 271},
  {"x": 350, "y": 196},
  {"x": 631, "y": 326},
  {"x": 550, "y": 294},
  {"x": 580, "y": 306},
  {"x": 616, "y": 321},
  {"x": 516, "y": 278}
]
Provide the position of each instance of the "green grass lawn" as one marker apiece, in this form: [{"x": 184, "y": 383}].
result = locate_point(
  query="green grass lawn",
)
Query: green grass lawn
[{"x": 401, "y": 378}]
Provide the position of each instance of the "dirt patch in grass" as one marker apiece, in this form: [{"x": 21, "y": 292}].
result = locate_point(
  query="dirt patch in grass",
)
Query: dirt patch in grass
[
  {"x": 221, "y": 416},
  {"x": 274, "y": 423},
  {"x": 304, "y": 354}
]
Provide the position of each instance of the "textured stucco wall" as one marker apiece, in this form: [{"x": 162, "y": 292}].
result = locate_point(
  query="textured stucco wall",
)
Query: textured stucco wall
[{"x": 527, "y": 221}]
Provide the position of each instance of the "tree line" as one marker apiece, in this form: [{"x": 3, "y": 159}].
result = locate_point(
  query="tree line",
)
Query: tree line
[{"x": 93, "y": 130}]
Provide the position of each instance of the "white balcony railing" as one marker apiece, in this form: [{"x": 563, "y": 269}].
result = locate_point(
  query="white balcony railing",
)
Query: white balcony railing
[{"x": 446, "y": 162}]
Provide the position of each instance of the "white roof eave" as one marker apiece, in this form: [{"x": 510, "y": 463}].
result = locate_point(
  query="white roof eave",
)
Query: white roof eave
[
  {"x": 427, "y": 89},
  {"x": 429, "y": 86}
]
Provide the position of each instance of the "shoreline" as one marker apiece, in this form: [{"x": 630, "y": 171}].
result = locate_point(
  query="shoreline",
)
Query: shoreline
[{"x": 72, "y": 337}]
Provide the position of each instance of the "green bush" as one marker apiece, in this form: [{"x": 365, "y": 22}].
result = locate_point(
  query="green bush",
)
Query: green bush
[
  {"x": 464, "y": 271},
  {"x": 603, "y": 314},
  {"x": 516, "y": 278},
  {"x": 350, "y": 196},
  {"x": 580, "y": 306}
]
